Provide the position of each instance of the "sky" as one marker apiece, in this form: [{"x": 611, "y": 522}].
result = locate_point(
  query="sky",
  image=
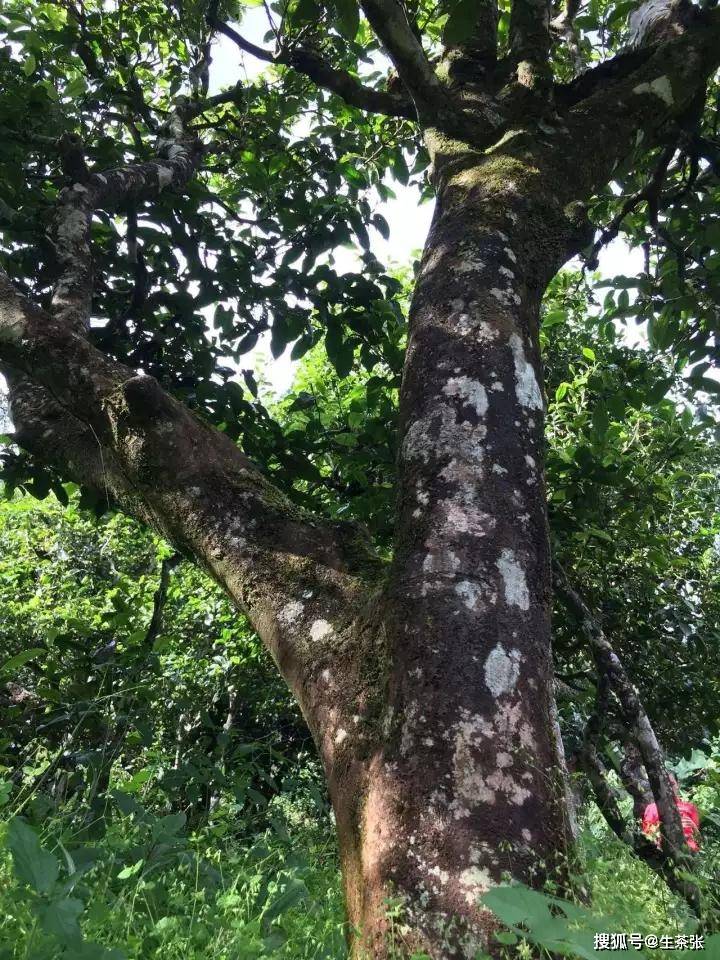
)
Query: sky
[{"x": 408, "y": 219}]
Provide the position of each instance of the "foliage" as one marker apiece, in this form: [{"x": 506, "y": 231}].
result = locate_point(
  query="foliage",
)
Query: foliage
[
  {"x": 174, "y": 857},
  {"x": 162, "y": 796}
]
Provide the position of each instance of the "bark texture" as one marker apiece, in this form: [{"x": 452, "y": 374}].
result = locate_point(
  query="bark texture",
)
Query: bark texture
[{"x": 427, "y": 686}]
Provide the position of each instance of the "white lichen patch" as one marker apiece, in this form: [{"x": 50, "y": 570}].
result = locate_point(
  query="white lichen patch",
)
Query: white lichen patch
[
  {"x": 530, "y": 461},
  {"x": 407, "y": 738},
  {"x": 471, "y": 594},
  {"x": 659, "y": 87},
  {"x": 291, "y": 612},
  {"x": 514, "y": 582},
  {"x": 527, "y": 387},
  {"x": 73, "y": 226},
  {"x": 649, "y": 16},
  {"x": 462, "y": 517},
  {"x": 12, "y": 324},
  {"x": 504, "y": 783},
  {"x": 440, "y": 435},
  {"x": 502, "y": 669},
  {"x": 470, "y": 786},
  {"x": 469, "y": 264},
  {"x": 320, "y": 629},
  {"x": 340, "y": 736},
  {"x": 475, "y": 881},
  {"x": 496, "y": 468},
  {"x": 165, "y": 176},
  {"x": 441, "y": 562},
  {"x": 471, "y": 392},
  {"x": 507, "y": 297}
]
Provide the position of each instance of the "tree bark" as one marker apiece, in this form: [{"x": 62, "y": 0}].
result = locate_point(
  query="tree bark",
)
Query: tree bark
[
  {"x": 466, "y": 785},
  {"x": 428, "y": 686}
]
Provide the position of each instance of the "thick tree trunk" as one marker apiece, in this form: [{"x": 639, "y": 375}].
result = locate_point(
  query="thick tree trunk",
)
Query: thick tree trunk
[
  {"x": 465, "y": 784},
  {"x": 429, "y": 688}
]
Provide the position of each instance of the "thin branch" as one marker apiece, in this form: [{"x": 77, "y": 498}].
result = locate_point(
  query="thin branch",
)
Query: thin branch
[
  {"x": 634, "y": 779},
  {"x": 605, "y": 795},
  {"x": 663, "y": 860},
  {"x": 635, "y": 717},
  {"x": 651, "y": 194},
  {"x": 155, "y": 626},
  {"x": 245, "y": 45},
  {"x": 72, "y": 294},
  {"x": 317, "y": 69},
  {"x": 564, "y": 26}
]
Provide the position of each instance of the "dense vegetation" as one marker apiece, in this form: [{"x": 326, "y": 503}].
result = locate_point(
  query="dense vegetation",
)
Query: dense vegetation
[
  {"x": 152, "y": 751},
  {"x": 278, "y": 671}
]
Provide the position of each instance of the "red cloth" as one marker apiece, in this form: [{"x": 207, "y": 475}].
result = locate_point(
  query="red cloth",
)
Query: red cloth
[{"x": 688, "y": 815}]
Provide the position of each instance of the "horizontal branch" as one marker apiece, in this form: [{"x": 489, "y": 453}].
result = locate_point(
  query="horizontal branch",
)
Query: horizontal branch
[
  {"x": 321, "y": 72},
  {"x": 638, "y": 98},
  {"x": 179, "y": 155}
]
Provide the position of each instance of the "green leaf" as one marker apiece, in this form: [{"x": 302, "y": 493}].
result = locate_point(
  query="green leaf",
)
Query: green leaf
[
  {"x": 461, "y": 22},
  {"x": 601, "y": 420},
  {"x": 588, "y": 353},
  {"x": 128, "y": 872},
  {"x": 347, "y": 17},
  {"x": 294, "y": 893},
  {"x": 30, "y": 65},
  {"x": 516, "y": 904},
  {"x": 19, "y": 660},
  {"x": 137, "y": 781},
  {"x": 76, "y": 88},
  {"x": 339, "y": 351},
  {"x": 168, "y": 826},
  {"x": 60, "y": 919},
  {"x": 707, "y": 384},
  {"x": 33, "y": 865}
]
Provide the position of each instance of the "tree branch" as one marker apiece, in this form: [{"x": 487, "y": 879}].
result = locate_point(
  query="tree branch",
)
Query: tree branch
[
  {"x": 666, "y": 859},
  {"x": 388, "y": 20},
  {"x": 634, "y": 716},
  {"x": 348, "y": 87},
  {"x": 649, "y": 194},
  {"x": 637, "y": 101},
  {"x": 530, "y": 38},
  {"x": 634, "y": 779},
  {"x": 167, "y": 566},
  {"x": 179, "y": 154},
  {"x": 564, "y": 26},
  {"x": 322, "y": 73},
  {"x": 605, "y": 795},
  {"x": 298, "y": 577},
  {"x": 151, "y": 455}
]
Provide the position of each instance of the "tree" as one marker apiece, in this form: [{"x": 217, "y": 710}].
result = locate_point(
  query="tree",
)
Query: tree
[{"x": 426, "y": 678}]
